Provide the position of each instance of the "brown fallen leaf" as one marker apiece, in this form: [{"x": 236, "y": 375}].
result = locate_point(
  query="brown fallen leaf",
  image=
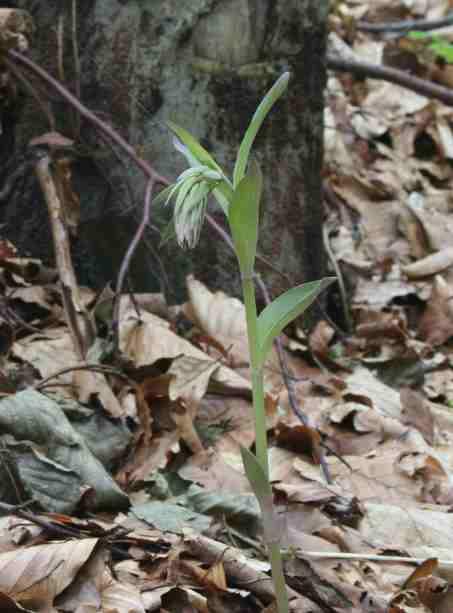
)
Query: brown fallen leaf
[
  {"x": 36, "y": 575},
  {"x": 301, "y": 439},
  {"x": 431, "y": 265},
  {"x": 220, "y": 316},
  {"x": 436, "y": 324},
  {"x": 89, "y": 385},
  {"x": 416, "y": 411}
]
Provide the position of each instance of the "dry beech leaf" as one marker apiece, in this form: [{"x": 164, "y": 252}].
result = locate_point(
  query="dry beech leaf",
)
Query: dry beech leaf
[
  {"x": 416, "y": 411},
  {"x": 431, "y": 265},
  {"x": 121, "y": 596},
  {"x": 219, "y": 316},
  {"x": 320, "y": 338},
  {"x": 36, "y": 575},
  {"x": 190, "y": 378},
  {"x": 151, "y": 339},
  {"x": 430, "y": 590},
  {"x": 436, "y": 324},
  {"x": 91, "y": 384},
  {"x": 383, "y": 325},
  {"x": 183, "y": 415},
  {"x": 319, "y": 341},
  {"x": 421, "y": 572}
]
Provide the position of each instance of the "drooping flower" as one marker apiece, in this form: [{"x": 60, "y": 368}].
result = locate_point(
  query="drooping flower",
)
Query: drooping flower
[{"x": 191, "y": 192}]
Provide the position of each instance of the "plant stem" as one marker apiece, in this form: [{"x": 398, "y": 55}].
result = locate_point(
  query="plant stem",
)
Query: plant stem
[
  {"x": 248, "y": 289},
  {"x": 278, "y": 578},
  {"x": 275, "y": 557}
]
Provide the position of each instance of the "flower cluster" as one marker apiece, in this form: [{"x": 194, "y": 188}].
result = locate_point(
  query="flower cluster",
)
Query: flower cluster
[{"x": 191, "y": 192}]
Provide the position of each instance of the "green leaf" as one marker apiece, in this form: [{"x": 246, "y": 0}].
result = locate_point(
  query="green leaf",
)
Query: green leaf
[
  {"x": 257, "y": 477},
  {"x": 272, "y": 524},
  {"x": 243, "y": 216},
  {"x": 223, "y": 193},
  {"x": 198, "y": 151},
  {"x": 443, "y": 49},
  {"x": 283, "y": 310},
  {"x": 416, "y": 35},
  {"x": 259, "y": 116}
]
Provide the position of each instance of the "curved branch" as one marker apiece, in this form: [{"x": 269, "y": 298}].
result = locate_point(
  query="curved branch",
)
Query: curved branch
[
  {"x": 421, "y": 25},
  {"x": 127, "y": 260},
  {"x": 104, "y": 127},
  {"x": 392, "y": 75}
]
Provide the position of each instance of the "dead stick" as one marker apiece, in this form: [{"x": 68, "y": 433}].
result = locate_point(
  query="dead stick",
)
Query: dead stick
[
  {"x": 420, "y": 25},
  {"x": 126, "y": 262},
  {"x": 78, "y": 321},
  {"x": 236, "y": 566},
  {"x": 392, "y": 75}
]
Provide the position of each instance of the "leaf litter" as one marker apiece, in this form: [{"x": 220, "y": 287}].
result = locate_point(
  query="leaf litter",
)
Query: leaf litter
[{"x": 122, "y": 485}]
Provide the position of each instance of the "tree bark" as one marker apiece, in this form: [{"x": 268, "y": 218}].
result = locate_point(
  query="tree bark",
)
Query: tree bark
[{"x": 205, "y": 64}]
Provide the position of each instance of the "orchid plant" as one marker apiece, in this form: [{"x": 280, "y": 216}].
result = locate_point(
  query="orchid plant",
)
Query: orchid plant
[{"x": 239, "y": 198}]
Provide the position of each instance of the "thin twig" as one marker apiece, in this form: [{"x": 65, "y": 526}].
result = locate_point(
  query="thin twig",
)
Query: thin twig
[
  {"x": 339, "y": 275},
  {"x": 106, "y": 370},
  {"x": 60, "y": 47},
  {"x": 420, "y": 25},
  {"x": 392, "y": 75},
  {"x": 104, "y": 127},
  {"x": 76, "y": 60},
  {"x": 11, "y": 509},
  {"x": 126, "y": 263},
  {"x": 331, "y": 555}
]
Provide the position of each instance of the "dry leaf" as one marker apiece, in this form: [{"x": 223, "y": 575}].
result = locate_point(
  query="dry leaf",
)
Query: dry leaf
[
  {"x": 36, "y": 575},
  {"x": 436, "y": 324}
]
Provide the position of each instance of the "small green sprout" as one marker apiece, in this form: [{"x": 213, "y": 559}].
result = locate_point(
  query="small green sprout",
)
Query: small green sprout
[{"x": 239, "y": 199}]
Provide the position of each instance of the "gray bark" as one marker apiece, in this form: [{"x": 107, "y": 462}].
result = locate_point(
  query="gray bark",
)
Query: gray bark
[{"x": 205, "y": 64}]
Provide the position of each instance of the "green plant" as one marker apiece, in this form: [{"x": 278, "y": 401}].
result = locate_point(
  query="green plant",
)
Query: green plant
[
  {"x": 439, "y": 46},
  {"x": 240, "y": 198}
]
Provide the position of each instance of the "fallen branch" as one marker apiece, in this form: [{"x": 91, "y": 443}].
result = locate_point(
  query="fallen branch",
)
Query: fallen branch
[
  {"x": 333, "y": 555},
  {"x": 392, "y": 75},
  {"x": 421, "y": 25},
  {"x": 106, "y": 370},
  {"x": 237, "y": 568},
  {"x": 78, "y": 320}
]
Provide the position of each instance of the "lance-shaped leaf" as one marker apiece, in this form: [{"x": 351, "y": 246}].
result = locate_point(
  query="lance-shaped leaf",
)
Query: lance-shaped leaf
[
  {"x": 262, "y": 489},
  {"x": 284, "y": 309},
  {"x": 256, "y": 476},
  {"x": 259, "y": 116},
  {"x": 243, "y": 215},
  {"x": 200, "y": 154}
]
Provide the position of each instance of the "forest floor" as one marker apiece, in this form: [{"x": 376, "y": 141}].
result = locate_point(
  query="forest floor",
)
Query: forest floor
[{"x": 122, "y": 484}]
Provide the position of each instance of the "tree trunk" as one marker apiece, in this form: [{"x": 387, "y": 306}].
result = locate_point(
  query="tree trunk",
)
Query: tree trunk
[{"x": 205, "y": 64}]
